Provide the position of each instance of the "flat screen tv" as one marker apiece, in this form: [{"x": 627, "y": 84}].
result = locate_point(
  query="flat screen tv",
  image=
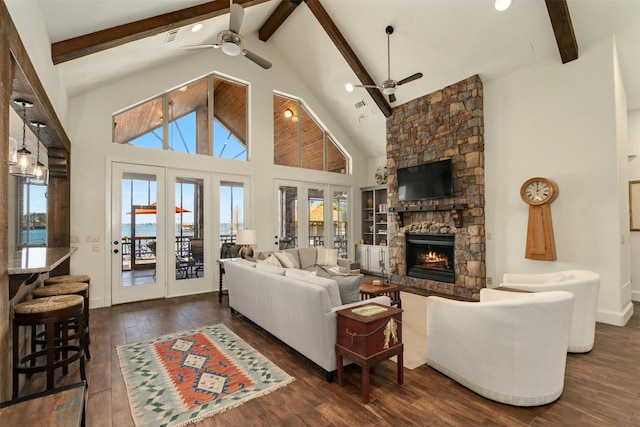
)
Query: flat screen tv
[{"x": 432, "y": 180}]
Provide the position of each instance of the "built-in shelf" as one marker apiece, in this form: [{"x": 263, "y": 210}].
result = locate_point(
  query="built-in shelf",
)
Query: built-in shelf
[{"x": 456, "y": 209}]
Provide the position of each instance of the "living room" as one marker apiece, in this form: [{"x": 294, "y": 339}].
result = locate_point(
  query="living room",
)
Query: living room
[{"x": 566, "y": 122}]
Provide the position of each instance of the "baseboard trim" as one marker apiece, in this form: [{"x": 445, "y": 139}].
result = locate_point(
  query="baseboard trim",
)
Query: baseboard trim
[{"x": 616, "y": 318}]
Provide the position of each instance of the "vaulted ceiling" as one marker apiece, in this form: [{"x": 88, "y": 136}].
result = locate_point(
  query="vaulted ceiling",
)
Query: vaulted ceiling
[{"x": 332, "y": 42}]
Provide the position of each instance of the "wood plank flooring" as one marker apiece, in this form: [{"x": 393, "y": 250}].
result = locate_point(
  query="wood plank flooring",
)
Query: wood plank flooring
[{"x": 602, "y": 388}]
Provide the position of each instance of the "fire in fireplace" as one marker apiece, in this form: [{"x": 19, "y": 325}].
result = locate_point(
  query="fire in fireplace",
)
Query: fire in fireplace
[{"x": 431, "y": 256}]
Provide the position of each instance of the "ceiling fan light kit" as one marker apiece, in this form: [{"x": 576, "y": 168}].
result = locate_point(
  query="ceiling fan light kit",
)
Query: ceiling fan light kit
[
  {"x": 231, "y": 42},
  {"x": 388, "y": 87}
]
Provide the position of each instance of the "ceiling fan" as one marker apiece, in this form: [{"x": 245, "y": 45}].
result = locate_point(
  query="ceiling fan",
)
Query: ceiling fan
[
  {"x": 388, "y": 87},
  {"x": 230, "y": 41}
]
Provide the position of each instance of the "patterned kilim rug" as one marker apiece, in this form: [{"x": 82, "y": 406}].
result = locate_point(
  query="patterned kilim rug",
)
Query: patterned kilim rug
[{"x": 182, "y": 378}]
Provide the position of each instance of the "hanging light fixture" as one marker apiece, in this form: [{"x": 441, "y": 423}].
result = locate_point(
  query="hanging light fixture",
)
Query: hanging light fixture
[
  {"x": 13, "y": 151},
  {"x": 25, "y": 161},
  {"x": 41, "y": 173}
]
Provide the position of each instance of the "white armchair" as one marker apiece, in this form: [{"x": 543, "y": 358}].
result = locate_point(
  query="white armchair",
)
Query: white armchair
[
  {"x": 585, "y": 285},
  {"x": 510, "y": 347}
]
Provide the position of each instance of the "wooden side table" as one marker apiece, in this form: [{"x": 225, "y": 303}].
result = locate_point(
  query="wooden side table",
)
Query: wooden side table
[
  {"x": 368, "y": 335},
  {"x": 368, "y": 290},
  {"x": 221, "y": 262},
  {"x": 63, "y": 406}
]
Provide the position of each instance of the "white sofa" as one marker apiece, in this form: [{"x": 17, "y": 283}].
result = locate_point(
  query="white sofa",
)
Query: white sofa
[
  {"x": 510, "y": 347},
  {"x": 300, "y": 313},
  {"x": 585, "y": 285}
]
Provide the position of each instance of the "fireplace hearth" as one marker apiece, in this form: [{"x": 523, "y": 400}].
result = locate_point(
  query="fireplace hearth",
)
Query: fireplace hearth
[{"x": 431, "y": 256}]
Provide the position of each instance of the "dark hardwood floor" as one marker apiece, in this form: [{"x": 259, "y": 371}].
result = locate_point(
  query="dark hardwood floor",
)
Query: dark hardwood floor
[{"x": 602, "y": 388}]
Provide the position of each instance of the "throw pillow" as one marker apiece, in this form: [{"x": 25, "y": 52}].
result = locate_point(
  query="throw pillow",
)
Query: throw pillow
[
  {"x": 349, "y": 286},
  {"x": 287, "y": 259},
  {"x": 326, "y": 256},
  {"x": 270, "y": 268},
  {"x": 270, "y": 260}
]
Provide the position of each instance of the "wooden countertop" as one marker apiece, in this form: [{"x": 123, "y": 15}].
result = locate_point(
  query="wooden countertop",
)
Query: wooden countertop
[{"x": 37, "y": 260}]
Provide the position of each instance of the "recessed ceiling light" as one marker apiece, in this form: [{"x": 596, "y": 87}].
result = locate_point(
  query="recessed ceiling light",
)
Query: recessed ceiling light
[
  {"x": 502, "y": 5},
  {"x": 196, "y": 27},
  {"x": 348, "y": 87}
]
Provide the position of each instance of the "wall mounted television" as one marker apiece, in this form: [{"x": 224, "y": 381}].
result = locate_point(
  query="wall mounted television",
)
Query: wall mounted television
[{"x": 432, "y": 180}]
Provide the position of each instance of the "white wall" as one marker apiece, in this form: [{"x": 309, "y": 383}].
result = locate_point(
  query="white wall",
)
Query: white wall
[
  {"x": 560, "y": 122},
  {"x": 633, "y": 123},
  {"x": 90, "y": 133}
]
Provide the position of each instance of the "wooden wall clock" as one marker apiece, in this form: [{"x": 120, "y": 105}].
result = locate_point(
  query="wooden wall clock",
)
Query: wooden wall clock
[{"x": 538, "y": 193}]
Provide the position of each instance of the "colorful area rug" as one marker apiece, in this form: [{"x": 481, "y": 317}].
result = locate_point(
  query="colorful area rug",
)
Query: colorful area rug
[{"x": 182, "y": 378}]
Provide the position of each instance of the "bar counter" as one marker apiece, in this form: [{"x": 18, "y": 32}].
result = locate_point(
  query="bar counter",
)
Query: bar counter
[{"x": 27, "y": 264}]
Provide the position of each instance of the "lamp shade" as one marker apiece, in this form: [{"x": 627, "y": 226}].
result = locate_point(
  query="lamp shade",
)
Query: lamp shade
[
  {"x": 246, "y": 237},
  {"x": 13, "y": 151}
]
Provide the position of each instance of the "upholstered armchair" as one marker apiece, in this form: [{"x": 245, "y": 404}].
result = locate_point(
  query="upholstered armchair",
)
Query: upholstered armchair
[
  {"x": 510, "y": 347},
  {"x": 585, "y": 285}
]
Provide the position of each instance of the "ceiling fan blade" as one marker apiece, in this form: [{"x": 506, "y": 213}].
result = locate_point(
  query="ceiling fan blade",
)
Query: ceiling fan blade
[
  {"x": 257, "y": 59},
  {"x": 235, "y": 21},
  {"x": 200, "y": 46},
  {"x": 411, "y": 78},
  {"x": 392, "y": 97},
  {"x": 368, "y": 86}
]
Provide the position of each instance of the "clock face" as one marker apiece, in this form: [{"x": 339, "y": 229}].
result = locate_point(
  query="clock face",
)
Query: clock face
[{"x": 537, "y": 191}]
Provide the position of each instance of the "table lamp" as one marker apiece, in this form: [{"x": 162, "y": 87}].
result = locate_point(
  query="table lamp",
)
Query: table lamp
[{"x": 246, "y": 238}]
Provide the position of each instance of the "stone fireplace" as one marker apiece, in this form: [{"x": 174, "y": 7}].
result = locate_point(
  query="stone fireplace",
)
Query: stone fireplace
[{"x": 444, "y": 124}]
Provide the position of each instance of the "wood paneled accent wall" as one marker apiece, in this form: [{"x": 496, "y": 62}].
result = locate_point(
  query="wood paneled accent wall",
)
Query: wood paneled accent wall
[{"x": 18, "y": 79}]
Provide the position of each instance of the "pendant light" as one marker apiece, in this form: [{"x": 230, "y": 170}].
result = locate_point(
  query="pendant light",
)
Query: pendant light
[
  {"x": 25, "y": 161},
  {"x": 13, "y": 151},
  {"x": 41, "y": 173}
]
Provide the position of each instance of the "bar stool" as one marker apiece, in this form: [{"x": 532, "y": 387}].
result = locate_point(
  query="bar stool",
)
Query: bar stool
[
  {"x": 67, "y": 288},
  {"x": 55, "y": 314},
  {"x": 68, "y": 278}
]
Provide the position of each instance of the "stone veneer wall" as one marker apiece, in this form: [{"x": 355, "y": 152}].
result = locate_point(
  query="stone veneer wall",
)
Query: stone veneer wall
[{"x": 444, "y": 124}]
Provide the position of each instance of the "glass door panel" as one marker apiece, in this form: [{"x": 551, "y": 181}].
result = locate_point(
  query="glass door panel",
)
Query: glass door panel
[
  {"x": 287, "y": 234},
  {"x": 315, "y": 203},
  {"x": 137, "y": 233},
  {"x": 340, "y": 219},
  {"x": 232, "y": 217}
]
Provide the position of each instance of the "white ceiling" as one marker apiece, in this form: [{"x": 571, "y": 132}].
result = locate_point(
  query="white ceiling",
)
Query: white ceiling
[{"x": 446, "y": 40}]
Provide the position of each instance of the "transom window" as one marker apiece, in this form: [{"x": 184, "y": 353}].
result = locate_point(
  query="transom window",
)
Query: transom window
[
  {"x": 207, "y": 117},
  {"x": 301, "y": 141}
]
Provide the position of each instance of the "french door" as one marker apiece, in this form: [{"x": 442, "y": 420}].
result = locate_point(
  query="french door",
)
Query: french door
[
  {"x": 161, "y": 238},
  {"x": 310, "y": 215},
  {"x": 138, "y": 229}
]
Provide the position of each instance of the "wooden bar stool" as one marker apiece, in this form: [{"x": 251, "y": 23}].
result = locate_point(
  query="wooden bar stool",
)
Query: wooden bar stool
[
  {"x": 67, "y": 288},
  {"x": 55, "y": 314},
  {"x": 68, "y": 278}
]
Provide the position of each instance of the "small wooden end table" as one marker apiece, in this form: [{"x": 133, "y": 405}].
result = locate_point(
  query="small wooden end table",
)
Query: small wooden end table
[
  {"x": 368, "y": 335},
  {"x": 221, "y": 262},
  {"x": 64, "y": 407},
  {"x": 368, "y": 290}
]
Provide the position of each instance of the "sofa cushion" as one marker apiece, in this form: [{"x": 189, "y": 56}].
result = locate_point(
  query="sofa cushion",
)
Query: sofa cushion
[
  {"x": 287, "y": 259},
  {"x": 330, "y": 285},
  {"x": 349, "y": 286},
  {"x": 307, "y": 258},
  {"x": 326, "y": 256},
  {"x": 271, "y": 268},
  {"x": 271, "y": 260}
]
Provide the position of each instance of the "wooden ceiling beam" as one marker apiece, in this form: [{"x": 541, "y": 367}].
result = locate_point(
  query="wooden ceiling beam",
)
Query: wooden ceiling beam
[
  {"x": 348, "y": 54},
  {"x": 277, "y": 18},
  {"x": 563, "y": 29},
  {"x": 99, "y": 41}
]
